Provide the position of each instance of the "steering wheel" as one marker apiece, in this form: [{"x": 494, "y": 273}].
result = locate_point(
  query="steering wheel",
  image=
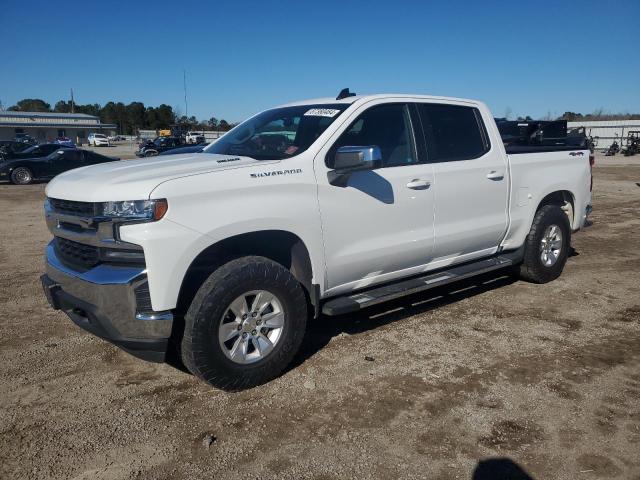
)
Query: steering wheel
[{"x": 240, "y": 138}]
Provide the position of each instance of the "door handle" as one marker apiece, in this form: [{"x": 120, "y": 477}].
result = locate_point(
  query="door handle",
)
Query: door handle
[
  {"x": 418, "y": 184},
  {"x": 495, "y": 175}
]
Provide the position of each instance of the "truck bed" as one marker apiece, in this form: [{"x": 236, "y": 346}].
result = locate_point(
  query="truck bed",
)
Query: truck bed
[{"x": 519, "y": 149}]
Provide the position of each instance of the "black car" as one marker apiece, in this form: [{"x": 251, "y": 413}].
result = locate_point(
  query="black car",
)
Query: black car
[
  {"x": 191, "y": 149},
  {"x": 23, "y": 171},
  {"x": 9, "y": 147},
  {"x": 34, "y": 151},
  {"x": 158, "y": 145}
]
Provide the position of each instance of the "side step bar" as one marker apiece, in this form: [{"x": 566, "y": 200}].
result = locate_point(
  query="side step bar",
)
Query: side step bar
[{"x": 358, "y": 301}]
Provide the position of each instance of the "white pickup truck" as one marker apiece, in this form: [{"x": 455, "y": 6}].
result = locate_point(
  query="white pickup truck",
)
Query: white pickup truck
[{"x": 321, "y": 206}]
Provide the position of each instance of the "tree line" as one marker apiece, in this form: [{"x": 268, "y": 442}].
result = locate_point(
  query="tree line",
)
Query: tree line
[
  {"x": 129, "y": 118},
  {"x": 598, "y": 115}
]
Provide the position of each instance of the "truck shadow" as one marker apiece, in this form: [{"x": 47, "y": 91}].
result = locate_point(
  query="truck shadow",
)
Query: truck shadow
[{"x": 321, "y": 330}]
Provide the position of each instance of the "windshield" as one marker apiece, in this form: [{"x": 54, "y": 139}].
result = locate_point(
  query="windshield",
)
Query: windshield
[{"x": 279, "y": 133}]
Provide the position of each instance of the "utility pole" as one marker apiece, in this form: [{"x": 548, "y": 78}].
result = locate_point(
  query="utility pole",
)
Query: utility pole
[
  {"x": 72, "y": 104},
  {"x": 184, "y": 81}
]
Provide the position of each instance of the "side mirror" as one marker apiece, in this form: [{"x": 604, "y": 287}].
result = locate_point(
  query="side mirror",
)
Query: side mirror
[
  {"x": 351, "y": 159},
  {"x": 60, "y": 152},
  {"x": 358, "y": 158}
]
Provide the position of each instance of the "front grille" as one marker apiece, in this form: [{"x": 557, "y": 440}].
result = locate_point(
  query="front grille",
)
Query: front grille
[
  {"x": 79, "y": 254},
  {"x": 69, "y": 207}
]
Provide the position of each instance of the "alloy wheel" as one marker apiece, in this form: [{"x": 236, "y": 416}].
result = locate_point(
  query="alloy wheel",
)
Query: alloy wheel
[{"x": 251, "y": 326}]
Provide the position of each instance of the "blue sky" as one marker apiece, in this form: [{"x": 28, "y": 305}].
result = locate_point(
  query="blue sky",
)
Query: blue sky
[{"x": 533, "y": 58}]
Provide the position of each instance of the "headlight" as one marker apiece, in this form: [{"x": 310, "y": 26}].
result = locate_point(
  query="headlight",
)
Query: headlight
[{"x": 142, "y": 210}]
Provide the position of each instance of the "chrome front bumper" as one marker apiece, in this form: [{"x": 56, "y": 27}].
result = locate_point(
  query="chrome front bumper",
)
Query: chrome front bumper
[
  {"x": 109, "y": 301},
  {"x": 587, "y": 212}
]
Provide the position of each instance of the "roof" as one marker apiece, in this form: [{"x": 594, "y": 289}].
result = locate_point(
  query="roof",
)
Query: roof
[
  {"x": 9, "y": 113},
  {"x": 51, "y": 120},
  {"x": 106, "y": 126},
  {"x": 366, "y": 98}
]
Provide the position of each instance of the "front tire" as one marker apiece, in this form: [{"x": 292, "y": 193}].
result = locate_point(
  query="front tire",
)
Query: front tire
[
  {"x": 245, "y": 324},
  {"x": 547, "y": 245},
  {"x": 21, "y": 176}
]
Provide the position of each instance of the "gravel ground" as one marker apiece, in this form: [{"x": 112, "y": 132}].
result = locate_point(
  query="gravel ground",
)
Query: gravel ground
[
  {"x": 490, "y": 379},
  {"x": 122, "y": 150}
]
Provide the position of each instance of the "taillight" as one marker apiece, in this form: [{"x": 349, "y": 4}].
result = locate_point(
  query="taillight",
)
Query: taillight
[{"x": 592, "y": 162}]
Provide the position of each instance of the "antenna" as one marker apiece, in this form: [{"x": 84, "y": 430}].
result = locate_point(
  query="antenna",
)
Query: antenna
[
  {"x": 344, "y": 93},
  {"x": 184, "y": 81}
]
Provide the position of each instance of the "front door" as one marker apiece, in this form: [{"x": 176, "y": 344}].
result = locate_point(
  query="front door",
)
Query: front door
[
  {"x": 470, "y": 183},
  {"x": 380, "y": 225},
  {"x": 63, "y": 160}
]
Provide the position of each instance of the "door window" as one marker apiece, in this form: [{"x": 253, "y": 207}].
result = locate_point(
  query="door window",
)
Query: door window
[
  {"x": 453, "y": 132},
  {"x": 72, "y": 156},
  {"x": 386, "y": 126}
]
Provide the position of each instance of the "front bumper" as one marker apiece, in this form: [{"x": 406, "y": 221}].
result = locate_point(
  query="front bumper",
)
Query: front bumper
[
  {"x": 110, "y": 302},
  {"x": 585, "y": 218}
]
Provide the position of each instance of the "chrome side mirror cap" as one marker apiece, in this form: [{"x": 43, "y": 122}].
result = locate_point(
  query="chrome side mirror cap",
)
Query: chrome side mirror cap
[
  {"x": 358, "y": 158},
  {"x": 351, "y": 159}
]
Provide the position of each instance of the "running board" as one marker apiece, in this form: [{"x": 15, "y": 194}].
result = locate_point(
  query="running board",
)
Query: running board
[{"x": 357, "y": 301}]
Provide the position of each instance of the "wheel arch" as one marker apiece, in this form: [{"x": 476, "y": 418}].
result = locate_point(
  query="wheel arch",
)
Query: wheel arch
[
  {"x": 281, "y": 246},
  {"x": 565, "y": 199}
]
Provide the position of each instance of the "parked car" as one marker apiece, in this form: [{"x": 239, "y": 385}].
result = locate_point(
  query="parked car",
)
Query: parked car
[
  {"x": 22, "y": 171},
  {"x": 9, "y": 147},
  {"x": 189, "y": 149},
  {"x": 195, "y": 137},
  {"x": 34, "y": 151},
  {"x": 98, "y": 140},
  {"x": 65, "y": 141},
  {"x": 116, "y": 138},
  {"x": 151, "y": 148},
  {"x": 319, "y": 206},
  {"x": 25, "y": 138}
]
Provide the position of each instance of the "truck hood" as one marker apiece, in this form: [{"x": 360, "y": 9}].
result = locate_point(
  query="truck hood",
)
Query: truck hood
[{"x": 135, "y": 179}]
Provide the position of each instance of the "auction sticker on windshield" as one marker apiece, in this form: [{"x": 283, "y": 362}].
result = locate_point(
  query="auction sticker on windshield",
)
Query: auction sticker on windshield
[{"x": 321, "y": 112}]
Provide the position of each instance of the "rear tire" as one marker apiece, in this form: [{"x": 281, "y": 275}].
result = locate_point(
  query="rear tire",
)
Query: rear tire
[
  {"x": 216, "y": 312},
  {"x": 21, "y": 176},
  {"x": 546, "y": 246}
]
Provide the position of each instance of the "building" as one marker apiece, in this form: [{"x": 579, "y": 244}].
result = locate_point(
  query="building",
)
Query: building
[
  {"x": 605, "y": 132},
  {"x": 46, "y": 127}
]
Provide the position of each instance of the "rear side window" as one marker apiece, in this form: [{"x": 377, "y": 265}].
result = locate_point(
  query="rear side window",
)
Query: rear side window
[{"x": 453, "y": 132}]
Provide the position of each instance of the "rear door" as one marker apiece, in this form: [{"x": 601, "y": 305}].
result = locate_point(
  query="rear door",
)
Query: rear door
[{"x": 470, "y": 182}]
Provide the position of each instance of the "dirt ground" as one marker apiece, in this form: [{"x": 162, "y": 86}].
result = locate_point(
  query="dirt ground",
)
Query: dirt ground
[
  {"x": 123, "y": 150},
  {"x": 490, "y": 379}
]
